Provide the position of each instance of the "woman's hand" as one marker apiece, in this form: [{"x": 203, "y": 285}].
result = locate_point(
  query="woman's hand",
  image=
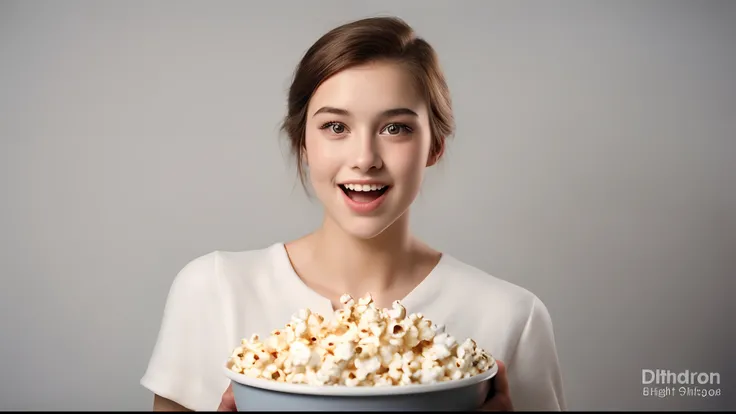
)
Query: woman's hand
[
  {"x": 501, "y": 399},
  {"x": 228, "y": 400}
]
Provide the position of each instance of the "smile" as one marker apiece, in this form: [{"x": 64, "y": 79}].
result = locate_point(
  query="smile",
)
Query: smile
[{"x": 364, "y": 198}]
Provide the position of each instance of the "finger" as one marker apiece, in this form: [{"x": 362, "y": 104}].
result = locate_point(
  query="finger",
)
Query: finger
[
  {"x": 500, "y": 402},
  {"x": 500, "y": 381},
  {"x": 227, "y": 403}
]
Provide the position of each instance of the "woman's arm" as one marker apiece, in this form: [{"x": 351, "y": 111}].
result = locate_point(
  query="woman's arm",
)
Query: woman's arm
[
  {"x": 163, "y": 404},
  {"x": 534, "y": 370},
  {"x": 184, "y": 371}
]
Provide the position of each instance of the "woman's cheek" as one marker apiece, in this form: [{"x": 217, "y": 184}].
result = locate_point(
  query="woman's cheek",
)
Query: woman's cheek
[{"x": 407, "y": 162}]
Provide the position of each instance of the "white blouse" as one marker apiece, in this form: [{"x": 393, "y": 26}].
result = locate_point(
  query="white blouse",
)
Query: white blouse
[{"x": 221, "y": 297}]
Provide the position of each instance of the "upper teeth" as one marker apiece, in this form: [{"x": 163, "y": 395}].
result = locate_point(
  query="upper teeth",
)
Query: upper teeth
[{"x": 364, "y": 187}]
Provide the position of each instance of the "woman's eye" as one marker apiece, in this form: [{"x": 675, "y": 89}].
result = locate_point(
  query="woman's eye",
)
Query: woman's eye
[
  {"x": 337, "y": 128},
  {"x": 396, "y": 129}
]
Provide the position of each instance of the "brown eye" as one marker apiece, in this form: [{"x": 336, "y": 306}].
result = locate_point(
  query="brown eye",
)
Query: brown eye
[
  {"x": 337, "y": 128},
  {"x": 396, "y": 129}
]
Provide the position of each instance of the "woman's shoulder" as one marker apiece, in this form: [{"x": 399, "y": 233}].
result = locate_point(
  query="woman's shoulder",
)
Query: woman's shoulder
[
  {"x": 499, "y": 313},
  {"x": 474, "y": 283},
  {"x": 200, "y": 318},
  {"x": 217, "y": 265}
]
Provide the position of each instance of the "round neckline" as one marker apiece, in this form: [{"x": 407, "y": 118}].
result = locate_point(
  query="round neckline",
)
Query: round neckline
[{"x": 424, "y": 292}]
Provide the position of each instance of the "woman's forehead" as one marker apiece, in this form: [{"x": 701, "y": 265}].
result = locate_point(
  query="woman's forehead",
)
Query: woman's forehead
[{"x": 369, "y": 90}]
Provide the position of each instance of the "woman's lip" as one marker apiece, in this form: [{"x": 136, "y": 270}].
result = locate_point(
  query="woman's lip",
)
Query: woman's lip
[
  {"x": 364, "y": 208},
  {"x": 361, "y": 182}
]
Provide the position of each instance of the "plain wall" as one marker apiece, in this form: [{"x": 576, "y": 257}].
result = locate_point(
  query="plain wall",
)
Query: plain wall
[{"x": 593, "y": 165}]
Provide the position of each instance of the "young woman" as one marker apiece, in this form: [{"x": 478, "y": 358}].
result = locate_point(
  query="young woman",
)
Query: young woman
[{"x": 368, "y": 112}]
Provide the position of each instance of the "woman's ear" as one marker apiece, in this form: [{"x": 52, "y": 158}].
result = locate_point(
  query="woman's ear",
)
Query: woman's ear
[{"x": 435, "y": 155}]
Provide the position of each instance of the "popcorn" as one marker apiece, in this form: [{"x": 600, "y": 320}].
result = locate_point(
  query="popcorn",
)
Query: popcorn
[
  {"x": 364, "y": 303},
  {"x": 252, "y": 372},
  {"x": 350, "y": 379},
  {"x": 442, "y": 347},
  {"x": 273, "y": 372},
  {"x": 330, "y": 371},
  {"x": 278, "y": 341},
  {"x": 365, "y": 367},
  {"x": 424, "y": 326},
  {"x": 301, "y": 316},
  {"x": 344, "y": 351},
  {"x": 368, "y": 347},
  {"x": 397, "y": 311},
  {"x": 396, "y": 368},
  {"x": 383, "y": 381},
  {"x": 431, "y": 373},
  {"x": 342, "y": 315},
  {"x": 347, "y": 301},
  {"x": 362, "y": 346},
  {"x": 387, "y": 353},
  {"x": 466, "y": 348},
  {"x": 302, "y": 356}
]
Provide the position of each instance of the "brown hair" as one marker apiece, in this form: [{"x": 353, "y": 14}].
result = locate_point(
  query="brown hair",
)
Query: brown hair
[{"x": 360, "y": 42}]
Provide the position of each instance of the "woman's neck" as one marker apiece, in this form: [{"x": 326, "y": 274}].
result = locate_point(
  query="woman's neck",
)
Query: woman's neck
[{"x": 334, "y": 262}]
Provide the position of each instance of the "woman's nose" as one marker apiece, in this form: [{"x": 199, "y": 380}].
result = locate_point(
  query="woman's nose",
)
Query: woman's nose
[{"x": 366, "y": 155}]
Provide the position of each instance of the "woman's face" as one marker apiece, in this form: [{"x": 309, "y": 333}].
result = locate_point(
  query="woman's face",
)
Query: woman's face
[{"x": 367, "y": 146}]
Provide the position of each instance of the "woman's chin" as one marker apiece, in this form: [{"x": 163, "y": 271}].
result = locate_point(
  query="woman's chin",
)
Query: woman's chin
[
  {"x": 364, "y": 232},
  {"x": 364, "y": 228}
]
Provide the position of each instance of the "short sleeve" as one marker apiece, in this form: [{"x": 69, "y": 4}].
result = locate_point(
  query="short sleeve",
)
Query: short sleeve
[
  {"x": 534, "y": 374},
  {"x": 191, "y": 347}
]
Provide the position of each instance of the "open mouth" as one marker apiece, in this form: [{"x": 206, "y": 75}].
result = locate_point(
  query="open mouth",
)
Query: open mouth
[{"x": 364, "y": 193}]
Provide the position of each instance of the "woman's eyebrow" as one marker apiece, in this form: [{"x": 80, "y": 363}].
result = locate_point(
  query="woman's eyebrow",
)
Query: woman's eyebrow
[{"x": 386, "y": 114}]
